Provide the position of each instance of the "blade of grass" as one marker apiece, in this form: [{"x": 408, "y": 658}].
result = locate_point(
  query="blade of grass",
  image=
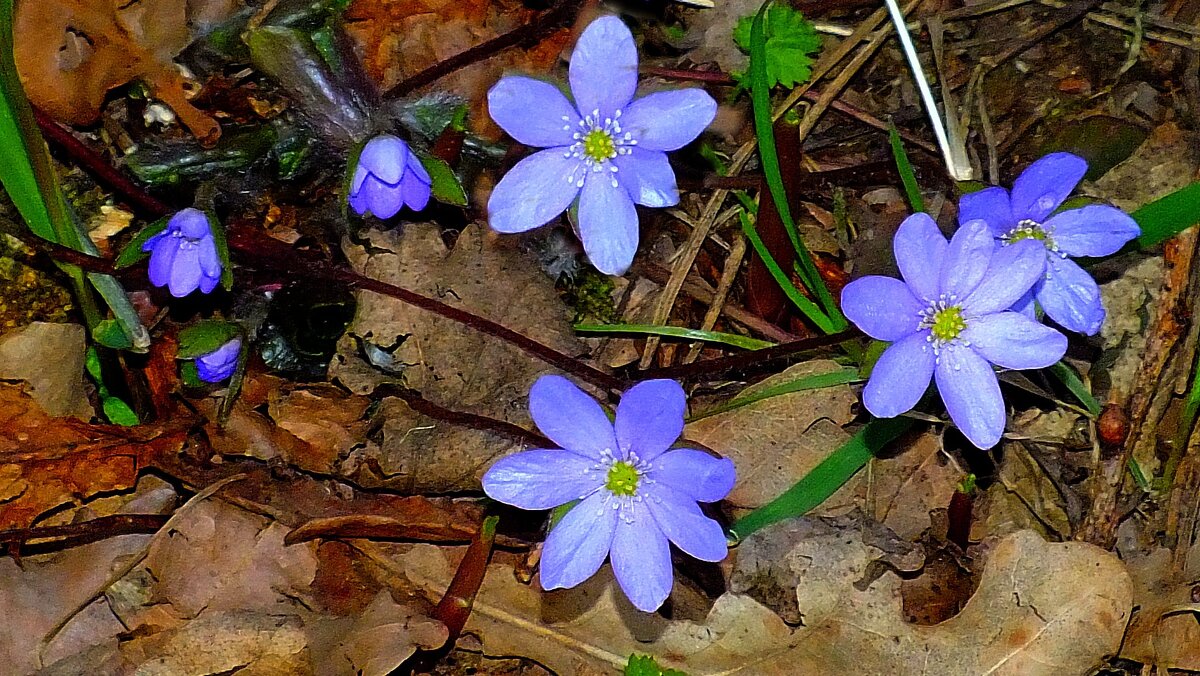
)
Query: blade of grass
[
  {"x": 1168, "y": 215},
  {"x": 805, "y": 305},
  {"x": 744, "y": 342},
  {"x": 760, "y": 97},
  {"x": 824, "y": 479},
  {"x": 1069, "y": 378},
  {"x": 907, "y": 176},
  {"x": 812, "y": 382}
]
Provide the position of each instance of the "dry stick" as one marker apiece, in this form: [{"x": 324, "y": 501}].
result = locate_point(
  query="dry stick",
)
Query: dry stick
[
  {"x": 733, "y": 263},
  {"x": 474, "y": 421},
  {"x": 91, "y": 530},
  {"x": 757, "y": 358},
  {"x": 687, "y": 256}
]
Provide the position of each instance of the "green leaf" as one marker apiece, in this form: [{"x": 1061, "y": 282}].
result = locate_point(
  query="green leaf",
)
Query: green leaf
[
  {"x": 132, "y": 253},
  {"x": 111, "y": 334},
  {"x": 1074, "y": 383},
  {"x": 119, "y": 413},
  {"x": 189, "y": 375},
  {"x": 204, "y": 337},
  {"x": 811, "y": 382},
  {"x": 218, "y": 235},
  {"x": 1167, "y": 216},
  {"x": 446, "y": 186},
  {"x": 735, "y": 340},
  {"x": 907, "y": 176},
  {"x": 760, "y": 97},
  {"x": 824, "y": 479},
  {"x": 644, "y": 665},
  {"x": 791, "y": 40}
]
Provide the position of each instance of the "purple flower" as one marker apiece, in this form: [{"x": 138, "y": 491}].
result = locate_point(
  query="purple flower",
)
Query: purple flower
[
  {"x": 605, "y": 148},
  {"x": 183, "y": 257},
  {"x": 387, "y": 177},
  {"x": 1067, "y": 293},
  {"x": 220, "y": 363},
  {"x": 634, "y": 494},
  {"x": 950, "y": 320}
]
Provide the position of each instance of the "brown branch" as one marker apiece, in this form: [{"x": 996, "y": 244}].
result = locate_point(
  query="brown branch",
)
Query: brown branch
[
  {"x": 76, "y": 534},
  {"x": 561, "y": 14},
  {"x": 474, "y": 421},
  {"x": 755, "y": 358}
]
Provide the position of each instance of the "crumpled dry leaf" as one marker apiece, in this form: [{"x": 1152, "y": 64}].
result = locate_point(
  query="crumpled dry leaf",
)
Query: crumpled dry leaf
[
  {"x": 378, "y": 641},
  {"x": 1165, "y": 631},
  {"x": 1041, "y": 608},
  {"x": 449, "y": 364},
  {"x": 50, "y": 358},
  {"x": 48, "y": 462},
  {"x": 777, "y": 440},
  {"x": 69, "y": 53},
  {"x": 220, "y": 642}
]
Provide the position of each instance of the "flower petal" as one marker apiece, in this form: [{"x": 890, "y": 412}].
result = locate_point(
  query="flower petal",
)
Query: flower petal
[
  {"x": 533, "y": 112},
  {"x": 384, "y": 157},
  {"x": 210, "y": 260},
  {"x": 360, "y": 175},
  {"x": 650, "y": 418},
  {"x": 185, "y": 272},
  {"x": 534, "y": 191},
  {"x": 570, "y": 418},
  {"x": 192, "y": 223},
  {"x": 1014, "y": 269},
  {"x": 972, "y": 395},
  {"x": 1025, "y": 305},
  {"x": 648, "y": 178},
  {"x": 680, "y": 519},
  {"x": 883, "y": 307},
  {"x": 603, "y": 71},
  {"x": 989, "y": 205},
  {"x": 1071, "y": 297},
  {"x": 381, "y": 199},
  {"x": 207, "y": 284},
  {"x": 966, "y": 260},
  {"x": 541, "y": 478},
  {"x": 920, "y": 250},
  {"x": 1045, "y": 184},
  {"x": 416, "y": 192},
  {"x": 577, "y": 546},
  {"x": 1013, "y": 341},
  {"x": 641, "y": 559},
  {"x": 415, "y": 166},
  {"x": 669, "y": 120},
  {"x": 900, "y": 377},
  {"x": 608, "y": 224},
  {"x": 695, "y": 474},
  {"x": 162, "y": 259},
  {"x": 1094, "y": 230}
]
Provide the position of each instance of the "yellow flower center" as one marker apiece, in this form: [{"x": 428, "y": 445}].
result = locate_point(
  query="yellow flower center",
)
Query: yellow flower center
[
  {"x": 947, "y": 323},
  {"x": 622, "y": 478},
  {"x": 599, "y": 145}
]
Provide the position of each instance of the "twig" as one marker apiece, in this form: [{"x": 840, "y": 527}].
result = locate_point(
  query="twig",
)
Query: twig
[
  {"x": 474, "y": 421},
  {"x": 733, "y": 263},
  {"x": 72, "y": 535},
  {"x": 711, "y": 367},
  {"x": 549, "y": 21}
]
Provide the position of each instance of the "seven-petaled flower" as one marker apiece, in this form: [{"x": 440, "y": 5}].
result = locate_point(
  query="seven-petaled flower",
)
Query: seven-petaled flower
[
  {"x": 1067, "y": 293},
  {"x": 183, "y": 257},
  {"x": 606, "y": 149},
  {"x": 220, "y": 363},
  {"x": 387, "y": 177},
  {"x": 634, "y": 494},
  {"x": 950, "y": 320}
]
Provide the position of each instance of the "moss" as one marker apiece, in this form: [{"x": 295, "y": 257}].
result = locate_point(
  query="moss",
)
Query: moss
[{"x": 590, "y": 294}]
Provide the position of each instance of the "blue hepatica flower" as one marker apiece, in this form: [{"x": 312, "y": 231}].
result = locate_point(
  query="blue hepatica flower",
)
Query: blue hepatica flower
[
  {"x": 606, "y": 149},
  {"x": 183, "y": 257},
  {"x": 950, "y": 320},
  {"x": 220, "y": 363},
  {"x": 1067, "y": 293},
  {"x": 635, "y": 495},
  {"x": 388, "y": 176}
]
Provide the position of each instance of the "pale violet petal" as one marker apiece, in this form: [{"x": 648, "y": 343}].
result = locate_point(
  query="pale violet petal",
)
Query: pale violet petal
[
  {"x": 682, "y": 521},
  {"x": 534, "y": 191},
  {"x": 989, "y": 205},
  {"x": 570, "y": 418},
  {"x": 1013, "y": 271},
  {"x": 1070, "y": 296},
  {"x": 185, "y": 272},
  {"x": 577, "y": 546},
  {"x": 967, "y": 259},
  {"x": 648, "y": 178},
  {"x": 969, "y": 388},
  {"x": 668, "y": 120},
  {"x": 641, "y": 558},
  {"x": 900, "y": 377},
  {"x": 1013, "y": 341},
  {"x": 533, "y": 112},
  {"x": 1046, "y": 184},
  {"x": 608, "y": 224},
  {"x": 696, "y": 474},
  {"x": 650, "y": 418},
  {"x": 603, "y": 71},
  {"x": 883, "y": 307},
  {"x": 542, "y": 478},
  {"x": 1094, "y": 230},
  {"x": 920, "y": 250},
  {"x": 385, "y": 157}
]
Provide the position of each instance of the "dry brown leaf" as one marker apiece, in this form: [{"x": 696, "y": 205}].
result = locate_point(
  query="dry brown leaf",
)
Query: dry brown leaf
[
  {"x": 220, "y": 642},
  {"x": 377, "y": 641},
  {"x": 451, "y": 365},
  {"x": 50, "y": 358},
  {"x": 900, "y": 491},
  {"x": 69, "y": 53},
  {"x": 1041, "y": 608},
  {"x": 777, "y": 440},
  {"x": 1165, "y": 631}
]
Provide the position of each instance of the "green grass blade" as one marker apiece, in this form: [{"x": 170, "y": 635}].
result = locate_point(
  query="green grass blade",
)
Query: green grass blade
[
  {"x": 824, "y": 479},
  {"x": 907, "y": 176},
  {"x": 812, "y": 382},
  {"x": 1069, "y": 378},
  {"x": 744, "y": 342},
  {"x": 760, "y": 98},
  {"x": 805, "y": 305},
  {"x": 1168, "y": 215}
]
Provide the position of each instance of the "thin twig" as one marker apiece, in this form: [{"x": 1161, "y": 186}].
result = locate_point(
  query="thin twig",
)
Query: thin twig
[
  {"x": 709, "y": 368},
  {"x": 474, "y": 421},
  {"x": 75, "y": 534},
  {"x": 733, "y": 263}
]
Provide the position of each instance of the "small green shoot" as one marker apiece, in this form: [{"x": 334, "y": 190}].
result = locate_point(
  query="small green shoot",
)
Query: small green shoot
[
  {"x": 907, "y": 176},
  {"x": 645, "y": 665}
]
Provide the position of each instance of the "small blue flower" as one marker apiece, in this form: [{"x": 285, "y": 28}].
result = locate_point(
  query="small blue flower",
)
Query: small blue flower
[
  {"x": 1067, "y": 293},
  {"x": 183, "y": 257},
  {"x": 388, "y": 176},
  {"x": 949, "y": 319},
  {"x": 220, "y": 363},
  {"x": 605, "y": 148},
  {"x": 635, "y": 496}
]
